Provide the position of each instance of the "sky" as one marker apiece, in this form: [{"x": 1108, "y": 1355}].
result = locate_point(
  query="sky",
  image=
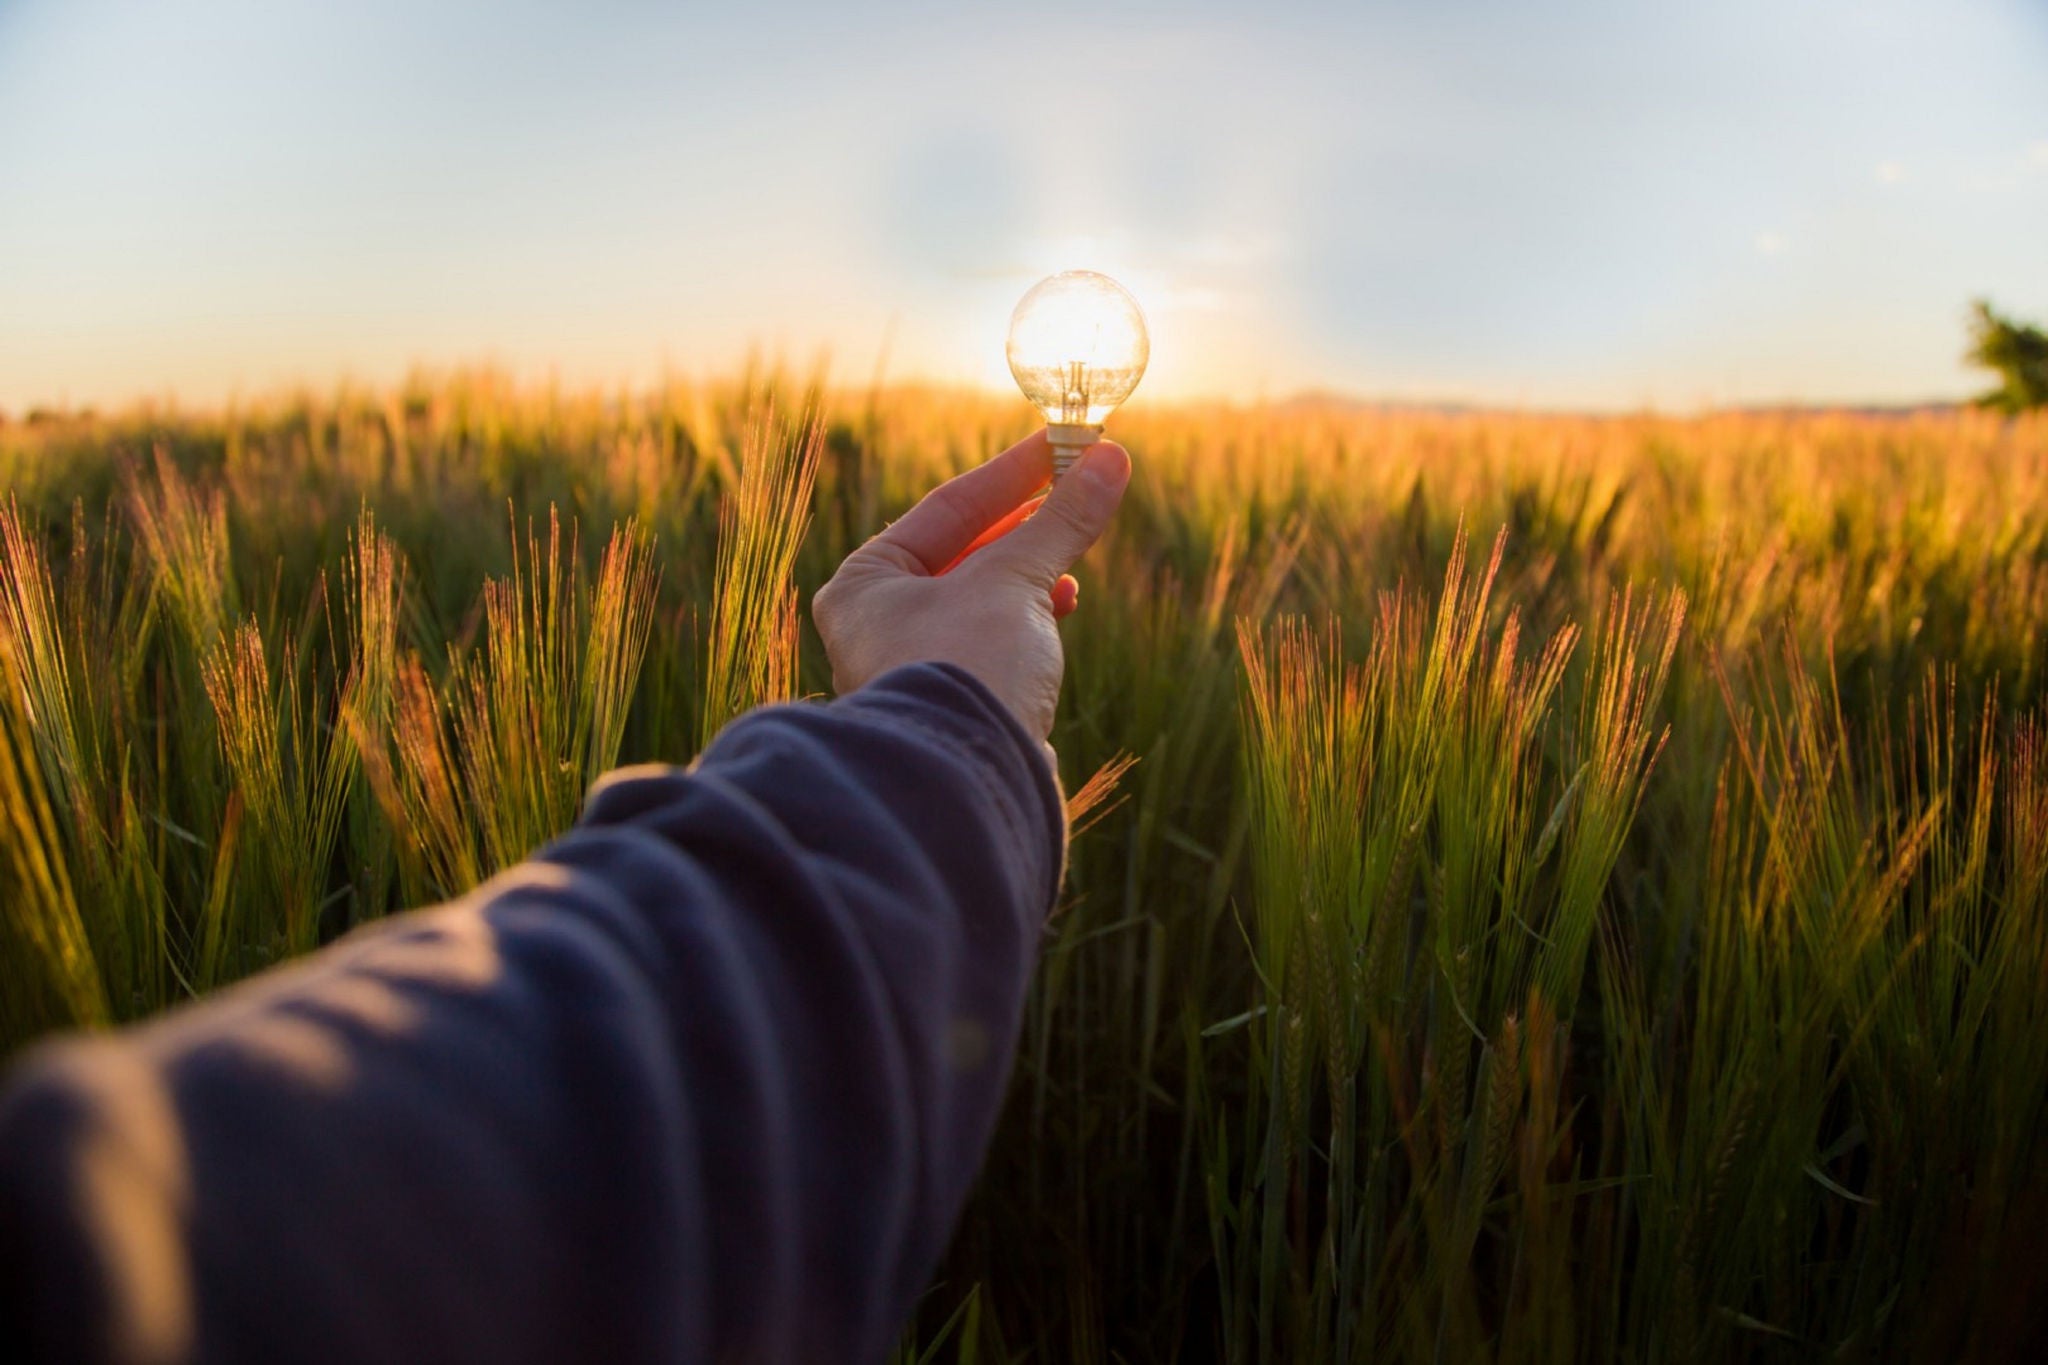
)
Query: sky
[{"x": 1605, "y": 204}]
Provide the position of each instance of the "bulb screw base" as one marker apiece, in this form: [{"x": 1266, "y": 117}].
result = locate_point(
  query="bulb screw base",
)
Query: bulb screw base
[{"x": 1068, "y": 440}]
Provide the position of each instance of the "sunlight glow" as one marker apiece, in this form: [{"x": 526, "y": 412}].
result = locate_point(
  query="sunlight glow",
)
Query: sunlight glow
[
  {"x": 1394, "y": 202},
  {"x": 1077, "y": 346}
]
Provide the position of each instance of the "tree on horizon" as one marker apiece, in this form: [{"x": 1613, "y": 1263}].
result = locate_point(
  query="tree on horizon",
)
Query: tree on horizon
[{"x": 2016, "y": 352}]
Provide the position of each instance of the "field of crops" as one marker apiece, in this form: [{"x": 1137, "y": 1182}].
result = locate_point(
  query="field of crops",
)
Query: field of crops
[{"x": 1579, "y": 891}]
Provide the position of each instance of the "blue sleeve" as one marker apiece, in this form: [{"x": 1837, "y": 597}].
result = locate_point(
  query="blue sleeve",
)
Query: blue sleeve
[{"x": 707, "y": 1079}]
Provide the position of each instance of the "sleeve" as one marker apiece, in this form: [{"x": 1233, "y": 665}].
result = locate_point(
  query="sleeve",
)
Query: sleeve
[{"x": 707, "y": 1079}]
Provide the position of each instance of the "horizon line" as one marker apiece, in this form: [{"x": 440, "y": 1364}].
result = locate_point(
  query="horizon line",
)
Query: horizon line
[{"x": 781, "y": 373}]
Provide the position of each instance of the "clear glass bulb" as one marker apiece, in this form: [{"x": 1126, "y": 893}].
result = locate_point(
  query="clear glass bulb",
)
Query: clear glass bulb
[{"x": 1077, "y": 347}]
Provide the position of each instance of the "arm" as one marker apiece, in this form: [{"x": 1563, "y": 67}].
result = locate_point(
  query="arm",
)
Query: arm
[{"x": 707, "y": 1079}]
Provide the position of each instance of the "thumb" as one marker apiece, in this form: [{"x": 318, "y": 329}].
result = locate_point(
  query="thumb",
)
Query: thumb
[{"x": 1073, "y": 516}]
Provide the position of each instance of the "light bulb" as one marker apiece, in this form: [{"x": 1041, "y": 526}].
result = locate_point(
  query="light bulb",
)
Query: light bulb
[{"x": 1077, "y": 348}]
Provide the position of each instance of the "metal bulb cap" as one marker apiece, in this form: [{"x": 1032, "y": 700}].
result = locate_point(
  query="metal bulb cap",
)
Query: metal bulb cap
[{"x": 1068, "y": 440}]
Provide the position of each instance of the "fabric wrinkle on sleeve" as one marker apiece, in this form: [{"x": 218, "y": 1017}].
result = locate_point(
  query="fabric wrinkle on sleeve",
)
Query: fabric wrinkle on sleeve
[{"x": 689, "y": 1084}]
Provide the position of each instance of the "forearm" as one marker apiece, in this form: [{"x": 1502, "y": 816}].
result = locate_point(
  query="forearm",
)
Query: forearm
[{"x": 708, "y": 1078}]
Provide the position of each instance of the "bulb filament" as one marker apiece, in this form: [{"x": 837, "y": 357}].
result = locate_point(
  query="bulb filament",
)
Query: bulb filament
[{"x": 1074, "y": 401}]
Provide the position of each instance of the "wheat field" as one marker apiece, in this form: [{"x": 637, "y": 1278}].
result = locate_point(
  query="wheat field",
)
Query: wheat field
[{"x": 1549, "y": 887}]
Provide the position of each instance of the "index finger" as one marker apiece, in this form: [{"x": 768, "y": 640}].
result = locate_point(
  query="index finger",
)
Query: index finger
[
  {"x": 1001, "y": 527},
  {"x": 950, "y": 517}
]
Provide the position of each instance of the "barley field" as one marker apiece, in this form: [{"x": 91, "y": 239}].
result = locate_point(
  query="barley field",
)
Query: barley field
[{"x": 1550, "y": 888}]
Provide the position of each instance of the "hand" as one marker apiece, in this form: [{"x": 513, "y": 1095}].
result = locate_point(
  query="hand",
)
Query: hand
[{"x": 974, "y": 576}]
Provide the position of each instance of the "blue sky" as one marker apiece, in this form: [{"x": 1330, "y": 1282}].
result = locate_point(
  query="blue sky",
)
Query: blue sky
[{"x": 1592, "y": 203}]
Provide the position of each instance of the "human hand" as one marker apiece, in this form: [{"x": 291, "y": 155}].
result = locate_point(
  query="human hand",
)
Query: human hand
[{"x": 976, "y": 575}]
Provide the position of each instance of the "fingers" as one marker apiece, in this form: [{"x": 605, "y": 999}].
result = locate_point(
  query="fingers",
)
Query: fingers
[
  {"x": 1002, "y": 527},
  {"x": 942, "y": 527},
  {"x": 1066, "y": 595},
  {"x": 1075, "y": 513}
]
